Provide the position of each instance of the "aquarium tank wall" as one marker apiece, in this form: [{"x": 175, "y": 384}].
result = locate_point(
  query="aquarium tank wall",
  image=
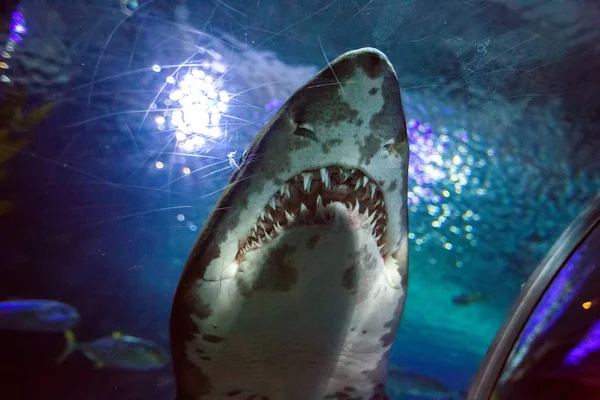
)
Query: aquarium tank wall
[{"x": 297, "y": 199}]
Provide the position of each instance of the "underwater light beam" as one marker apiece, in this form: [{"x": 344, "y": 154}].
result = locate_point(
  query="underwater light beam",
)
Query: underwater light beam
[{"x": 202, "y": 104}]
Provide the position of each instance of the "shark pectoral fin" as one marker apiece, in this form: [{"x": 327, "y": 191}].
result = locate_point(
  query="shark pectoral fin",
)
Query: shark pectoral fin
[{"x": 71, "y": 346}]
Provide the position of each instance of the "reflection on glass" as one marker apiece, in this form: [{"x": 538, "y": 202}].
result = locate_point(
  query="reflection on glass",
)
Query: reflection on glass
[{"x": 557, "y": 354}]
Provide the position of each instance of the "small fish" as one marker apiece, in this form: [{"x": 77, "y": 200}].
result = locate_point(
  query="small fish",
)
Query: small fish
[
  {"x": 467, "y": 299},
  {"x": 118, "y": 351},
  {"x": 37, "y": 316},
  {"x": 402, "y": 382}
]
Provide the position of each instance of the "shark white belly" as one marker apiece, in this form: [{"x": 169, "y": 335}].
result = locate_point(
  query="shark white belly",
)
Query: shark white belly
[{"x": 297, "y": 283}]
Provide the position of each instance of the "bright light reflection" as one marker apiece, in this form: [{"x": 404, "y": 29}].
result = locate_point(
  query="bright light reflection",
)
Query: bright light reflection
[
  {"x": 441, "y": 169},
  {"x": 200, "y": 108}
]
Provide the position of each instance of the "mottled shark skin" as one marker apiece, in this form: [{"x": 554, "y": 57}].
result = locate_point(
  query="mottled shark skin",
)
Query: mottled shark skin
[{"x": 296, "y": 285}]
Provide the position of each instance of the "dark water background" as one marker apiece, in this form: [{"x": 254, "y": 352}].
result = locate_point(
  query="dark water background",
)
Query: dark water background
[{"x": 502, "y": 115}]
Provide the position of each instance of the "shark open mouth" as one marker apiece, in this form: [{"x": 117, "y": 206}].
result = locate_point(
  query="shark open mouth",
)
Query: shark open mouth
[{"x": 306, "y": 199}]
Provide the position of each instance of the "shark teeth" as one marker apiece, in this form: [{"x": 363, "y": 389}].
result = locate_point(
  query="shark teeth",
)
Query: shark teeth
[
  {"x": 307, "y": 179},
  {"x": 325, "y": 178},
  {"x": 278, "y": 228},
  {"x": 289, "y": 217},
  {"x": 369, "y": 218},
  {"x": 303, "y": 208},
  {"x": 306, "y": 199},
  {"x": 320, "y": 208}
]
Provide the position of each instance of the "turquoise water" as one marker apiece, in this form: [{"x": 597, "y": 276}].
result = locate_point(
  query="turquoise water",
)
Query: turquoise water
[{"x": 109, "y": 198}]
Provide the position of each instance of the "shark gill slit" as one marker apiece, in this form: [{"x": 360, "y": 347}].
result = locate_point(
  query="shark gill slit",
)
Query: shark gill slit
[{"x": 305, "y": 199}]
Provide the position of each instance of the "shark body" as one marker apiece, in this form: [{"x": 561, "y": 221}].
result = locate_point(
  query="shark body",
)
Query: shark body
[{"x": 297, "y": 282}]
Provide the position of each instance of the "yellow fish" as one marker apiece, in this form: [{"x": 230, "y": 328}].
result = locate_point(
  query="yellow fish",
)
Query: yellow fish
[{"x": 118, "y": 351}]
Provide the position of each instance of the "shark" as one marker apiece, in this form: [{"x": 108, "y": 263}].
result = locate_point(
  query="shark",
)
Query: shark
[{"x": 296, "y": 284}]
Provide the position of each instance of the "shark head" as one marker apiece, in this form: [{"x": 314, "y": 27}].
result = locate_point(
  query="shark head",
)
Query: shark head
[{"x": 297, "y": 282}]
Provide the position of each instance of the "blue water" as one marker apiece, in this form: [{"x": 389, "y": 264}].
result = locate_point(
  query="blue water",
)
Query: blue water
[{"x": 108, "y": 205}]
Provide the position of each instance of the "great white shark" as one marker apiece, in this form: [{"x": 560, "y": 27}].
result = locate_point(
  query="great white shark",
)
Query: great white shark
[{"x": 297, "y": 282}]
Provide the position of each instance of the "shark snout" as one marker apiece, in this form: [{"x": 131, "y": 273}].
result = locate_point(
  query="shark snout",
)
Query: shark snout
[{"x": 369, "y": 60}]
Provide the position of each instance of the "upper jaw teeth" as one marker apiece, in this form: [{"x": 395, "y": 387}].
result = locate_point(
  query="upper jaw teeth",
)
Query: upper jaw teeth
[
  {"x": 284, "y": 190},
  {"x": 307, "y": 198},
  {"x": 307, "y": 179},
  {"x": 325, "y": 177}
]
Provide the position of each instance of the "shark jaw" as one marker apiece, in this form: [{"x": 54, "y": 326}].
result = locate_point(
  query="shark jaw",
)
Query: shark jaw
[
  {"x": 307, "y": 198},
  {"x": 296, "y": 285}
]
